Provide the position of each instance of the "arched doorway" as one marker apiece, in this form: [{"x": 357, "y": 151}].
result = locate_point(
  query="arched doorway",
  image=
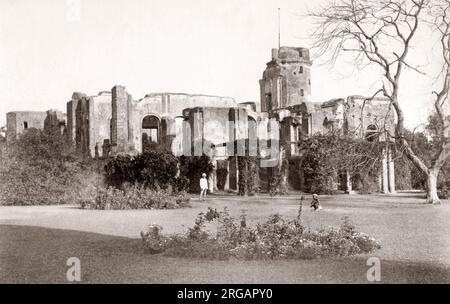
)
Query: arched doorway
[
  {"x": 372, "y": 133},
  {"x": 150, "y": 132}
]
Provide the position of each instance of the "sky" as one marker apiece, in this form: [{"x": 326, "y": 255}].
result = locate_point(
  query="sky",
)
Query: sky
[{"x": 51, "y": 48}]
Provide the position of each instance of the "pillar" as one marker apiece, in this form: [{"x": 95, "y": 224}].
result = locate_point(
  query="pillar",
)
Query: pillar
[
  {"x": 212, "y": 178},
  {"x": 227, "y": 179},
  {"x": 119, "y": 119},
  {"x": 384, "y": 172},
  {"x": 349, "y": 186},
  {"x": 391, "y": 171}
]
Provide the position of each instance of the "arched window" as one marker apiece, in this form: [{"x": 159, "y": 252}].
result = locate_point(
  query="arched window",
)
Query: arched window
[
  {"x": 150, "y": 131},
  {"x": 302, "y": 93},
  {"x": 301, "y": 70},
  {"x": 372, "y": 133},
  {"x": 25, "y": 125}
]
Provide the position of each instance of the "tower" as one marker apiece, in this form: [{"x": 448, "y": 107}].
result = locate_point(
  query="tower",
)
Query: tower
[{"x": 286, "y": 80}]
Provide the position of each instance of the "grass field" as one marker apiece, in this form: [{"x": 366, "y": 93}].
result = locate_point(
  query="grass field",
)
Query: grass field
[{"x": 35, "y": 243}]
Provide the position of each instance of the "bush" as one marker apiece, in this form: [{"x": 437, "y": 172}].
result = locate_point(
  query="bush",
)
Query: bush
[
  {"x": 137, "y": 197},
  {"x": 222, "y": 174},
  {"x": 41, "y": 168},
  {"x": 192, "y": 167},
  {"x": 152, "y": 169},
  {"x": 248, "y": 175},
  {"x": 276, "y": 238}
]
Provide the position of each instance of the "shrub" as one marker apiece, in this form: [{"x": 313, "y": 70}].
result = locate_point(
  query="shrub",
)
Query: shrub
[
  {"x": 222, "y": 174},
  {"x": 275, "y": 238},
  {"x": 41, "y": 168},
  {"x": 248, "y": 175},
  {"x": 192, "y": 167},
  {"x": 277, "y": 179},
  {"x": 152, "y": 169},
  {"x": 137, "y": 197}
]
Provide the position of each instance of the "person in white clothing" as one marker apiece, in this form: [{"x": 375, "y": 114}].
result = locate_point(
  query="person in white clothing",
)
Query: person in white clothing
[{"x": 203, "y": 186}]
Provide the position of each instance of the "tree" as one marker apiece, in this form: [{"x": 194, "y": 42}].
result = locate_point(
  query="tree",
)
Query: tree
[
  {"x": 380, "y": 34},
  {"x": 324, "y": 158}
]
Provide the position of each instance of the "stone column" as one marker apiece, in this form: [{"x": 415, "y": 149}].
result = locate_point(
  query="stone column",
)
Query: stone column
[
  {"x": 119, "y": 118},
  {"x": 227, "y": 180},
  {"x": 212, "y": 178},
  {"x": 349, "y": 185},
  {"x": 384, "y": 172},
  {"x": 302, "y": 179},
  {"x": 391, "y": 171}
]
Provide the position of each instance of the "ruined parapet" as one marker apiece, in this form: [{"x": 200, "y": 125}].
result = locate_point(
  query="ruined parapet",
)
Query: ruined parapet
[
  {"x": 18, "y": 122},
  {"x": 82, "y": 131},
  {"x": 55, "y": 122},
  {"x": 71, "y": 115},
  {"x": 100, "y": 111},
  {"x": 364, "y": 114},
  {"x": 327, "y": 117},
  {"x": 250, "y": 106}
]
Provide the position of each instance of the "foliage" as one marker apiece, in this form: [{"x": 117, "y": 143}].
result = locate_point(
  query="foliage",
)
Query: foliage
[
  {"x": 425, "y": 145},
  {"x": 137, "y": 197},
  {"x": 275, "y": 238},
  {"x": 222, "y": 174},
  {"x": 192, "y": 167},
  {"x": 323, "y": 158},
  {"x": 277, "y": 179},
  {"x": 152, "y": 169},
  {"x": 248, "y": 175},
  {"x": 41, "y": 168}
]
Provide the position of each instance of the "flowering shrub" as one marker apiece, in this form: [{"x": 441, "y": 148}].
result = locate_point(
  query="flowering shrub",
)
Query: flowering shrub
[
  {"x": 276, "y": 238},
  {"x": 137, "y": 197}
]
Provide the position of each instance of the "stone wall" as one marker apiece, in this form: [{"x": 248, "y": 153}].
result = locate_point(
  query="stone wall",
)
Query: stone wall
[
  {"x": 360, "y": 113},
  {"x": 100, "y": 122},
  {"x": 121, "y": 120},
  {"x": 167, "y": 107},
  {"x": 82, "y": 130},
  {"x": 71, "y": 114},
  {"x": 287, "y": 79},
  {"x": 55, "y": 121},
  {"x": 18, "y": 121}
]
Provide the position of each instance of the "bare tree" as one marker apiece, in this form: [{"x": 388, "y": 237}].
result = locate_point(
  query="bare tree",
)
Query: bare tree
[
  {"x": 380, "y": 33},
  {"x": 440, "y": 11}
]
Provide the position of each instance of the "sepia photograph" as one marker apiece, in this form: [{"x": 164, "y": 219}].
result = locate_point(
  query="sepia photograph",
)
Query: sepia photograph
[{"x": 205, "y": 142}]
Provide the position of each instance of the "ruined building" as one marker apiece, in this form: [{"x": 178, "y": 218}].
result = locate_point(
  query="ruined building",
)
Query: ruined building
[{"x": 113, "y": 122}]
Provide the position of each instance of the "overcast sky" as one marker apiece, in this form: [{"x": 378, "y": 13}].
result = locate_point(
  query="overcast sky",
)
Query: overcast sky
[{"x": 217, "y": 47}]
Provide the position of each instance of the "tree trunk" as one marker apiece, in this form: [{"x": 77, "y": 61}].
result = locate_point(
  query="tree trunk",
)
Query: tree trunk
[{"x": 432, "y": 196}]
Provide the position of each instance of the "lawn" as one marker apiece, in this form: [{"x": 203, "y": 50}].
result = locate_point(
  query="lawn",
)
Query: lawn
[{"x": 35, "y": 242}]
